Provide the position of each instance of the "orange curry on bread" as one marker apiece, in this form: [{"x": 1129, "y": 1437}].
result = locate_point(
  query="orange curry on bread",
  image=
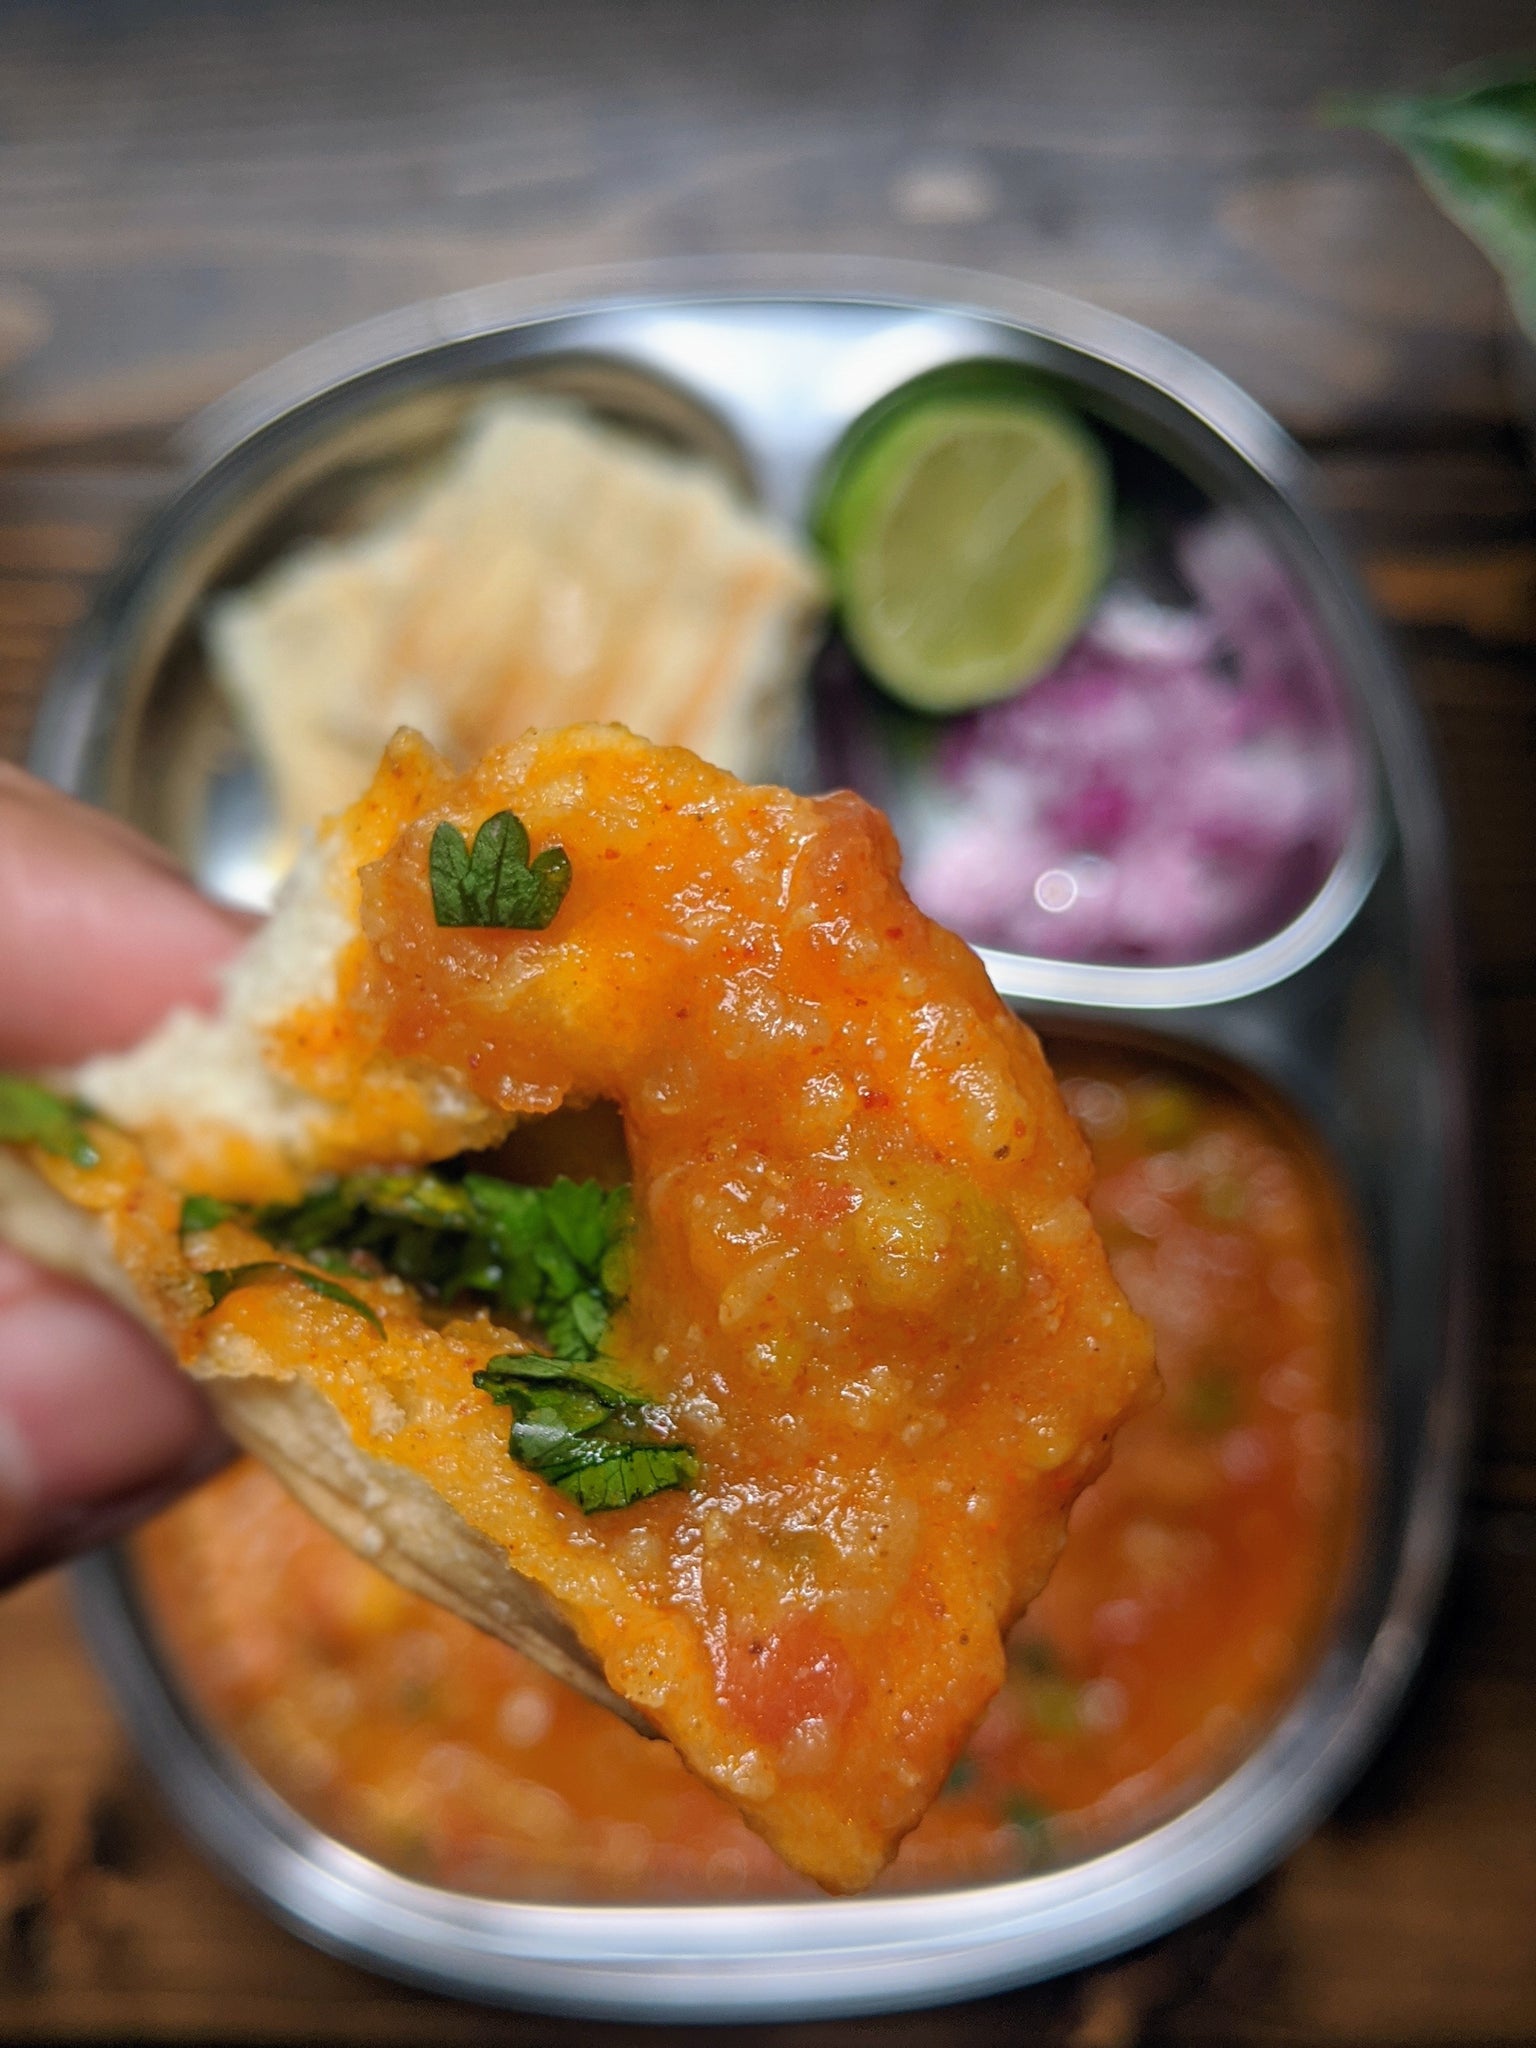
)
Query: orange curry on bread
[
  {"x": 1191, "y": 1602},
  {"x": 863, "y": 1306}
]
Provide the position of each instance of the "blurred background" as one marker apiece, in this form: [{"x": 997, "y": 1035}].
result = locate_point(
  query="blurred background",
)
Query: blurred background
[{"x": 189, "y": 191}]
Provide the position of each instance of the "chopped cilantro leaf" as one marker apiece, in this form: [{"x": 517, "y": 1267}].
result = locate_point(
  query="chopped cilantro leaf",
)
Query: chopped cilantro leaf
[
  {"x": 632, "y": 1472},
  {"x": 556, "y": 1257},
  {"x": 495, "y": 884},
  {"x": 963, "y": 1776},
  {"x": 33, "y": 1115},
  {"x": 1034, "y": 1656},
  {"x": 1212, "y": 1401},
  {"x": 1032, "y": 1819},
  {"x": 224, "y": 1280},
  {"x": 510, "y": 1378},
  {"x": 578, "y": 1428}
]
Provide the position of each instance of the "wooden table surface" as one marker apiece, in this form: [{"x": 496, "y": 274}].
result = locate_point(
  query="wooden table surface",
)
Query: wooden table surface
[{"x": 188, "y": 191}]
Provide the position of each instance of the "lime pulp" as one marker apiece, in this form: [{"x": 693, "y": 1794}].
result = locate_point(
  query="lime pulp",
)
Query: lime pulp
[{"x": 968, "y": 529}]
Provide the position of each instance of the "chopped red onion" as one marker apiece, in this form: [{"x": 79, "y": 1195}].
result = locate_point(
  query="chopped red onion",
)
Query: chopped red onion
[{"x": 1177, "y": 788}]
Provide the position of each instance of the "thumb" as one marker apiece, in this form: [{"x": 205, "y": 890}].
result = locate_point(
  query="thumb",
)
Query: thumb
[{"x": 97, "y": 1424}]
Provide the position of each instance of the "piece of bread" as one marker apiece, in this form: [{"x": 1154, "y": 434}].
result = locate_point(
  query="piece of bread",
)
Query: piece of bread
[
  {"x": 384, "y": 1512},
  {"x": 558, "y": 569},
  {"x": 863, "y": 1285},
  {"x": 220, "y": 1115}
]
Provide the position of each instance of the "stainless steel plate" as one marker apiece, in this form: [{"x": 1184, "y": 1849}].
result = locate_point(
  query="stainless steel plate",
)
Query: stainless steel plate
[{"x": 1351, "y": 1011}]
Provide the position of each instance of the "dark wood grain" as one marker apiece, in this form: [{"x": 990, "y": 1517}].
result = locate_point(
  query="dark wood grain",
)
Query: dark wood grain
[{"x": 187, "y": 191}]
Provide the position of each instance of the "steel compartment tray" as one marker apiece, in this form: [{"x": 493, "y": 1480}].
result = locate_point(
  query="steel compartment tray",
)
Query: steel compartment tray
[{"x": 1352, "y": 1013}]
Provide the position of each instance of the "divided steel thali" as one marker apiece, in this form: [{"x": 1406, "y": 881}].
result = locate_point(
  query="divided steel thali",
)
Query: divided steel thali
[{"x": 1278, "y": 1119}]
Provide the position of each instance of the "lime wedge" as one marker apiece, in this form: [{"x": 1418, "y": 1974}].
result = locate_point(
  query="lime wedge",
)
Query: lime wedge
[{"x": 968, "y": 530}]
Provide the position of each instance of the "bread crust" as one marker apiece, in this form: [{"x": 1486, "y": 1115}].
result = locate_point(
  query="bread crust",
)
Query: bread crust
[
  {"x": 862, "y": 1283},
  {"x": 385, "y": 1513}
]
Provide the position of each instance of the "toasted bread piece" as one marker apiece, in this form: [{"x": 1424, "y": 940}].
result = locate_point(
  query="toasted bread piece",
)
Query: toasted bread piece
[
  {"x": 560, "y": 569},
  {"x": 863, "y": 1283},
  {"x": 380, "y": 1509}
]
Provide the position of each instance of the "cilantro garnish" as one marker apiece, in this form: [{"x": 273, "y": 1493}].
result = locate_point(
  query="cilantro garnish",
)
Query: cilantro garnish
[
  {"x": 223, "y": 1280},
  {"x": 496, "y": 884},
  {"x": 554, "y": 1257},
  {"x": 33, "y": 1115},
  {"x": 581, "y": 1430},
  {"x": 963, "y": 1776},
  {"x": 1032, "y": 1819}
]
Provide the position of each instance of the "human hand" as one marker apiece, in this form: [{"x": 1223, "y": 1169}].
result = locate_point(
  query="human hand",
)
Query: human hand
[{"x": 100, "y": 934}]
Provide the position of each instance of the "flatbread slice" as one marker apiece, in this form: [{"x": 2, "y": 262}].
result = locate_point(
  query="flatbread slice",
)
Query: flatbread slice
[
  {"x": 870, "y": 1340},
  {"x": 558, "y": 569}
]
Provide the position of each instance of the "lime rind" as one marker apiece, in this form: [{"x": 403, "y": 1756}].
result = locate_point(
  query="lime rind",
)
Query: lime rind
[
  {"x": 967, "y": 520},
  {"x": 977, "y": 378}
]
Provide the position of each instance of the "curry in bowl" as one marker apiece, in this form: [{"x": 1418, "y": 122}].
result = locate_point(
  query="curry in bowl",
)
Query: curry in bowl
[{"x": 1184, "y": 1611}]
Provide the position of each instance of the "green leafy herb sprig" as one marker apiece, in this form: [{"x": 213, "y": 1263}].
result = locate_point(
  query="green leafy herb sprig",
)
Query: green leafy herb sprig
[
  {"x": 31, "y": 1114},
  {"x": 555, "y": 1257},
  {"x": 495, "y": 883},
  {"x": 224, "y": 1280},
  {"x": 583, "y": 1431},
  {"x": 206, "y": 1212},
  {"x": 1473, "y": 145}
]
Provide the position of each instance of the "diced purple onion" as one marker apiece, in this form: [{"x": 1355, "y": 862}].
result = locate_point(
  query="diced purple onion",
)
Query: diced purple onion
[{"x": 1177, "y": 788}]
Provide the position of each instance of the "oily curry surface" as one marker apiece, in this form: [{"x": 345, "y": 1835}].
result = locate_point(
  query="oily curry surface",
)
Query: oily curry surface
[
  {"x": 1185, "y": 1607},
  {"x": 864, "y": 1286}
]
